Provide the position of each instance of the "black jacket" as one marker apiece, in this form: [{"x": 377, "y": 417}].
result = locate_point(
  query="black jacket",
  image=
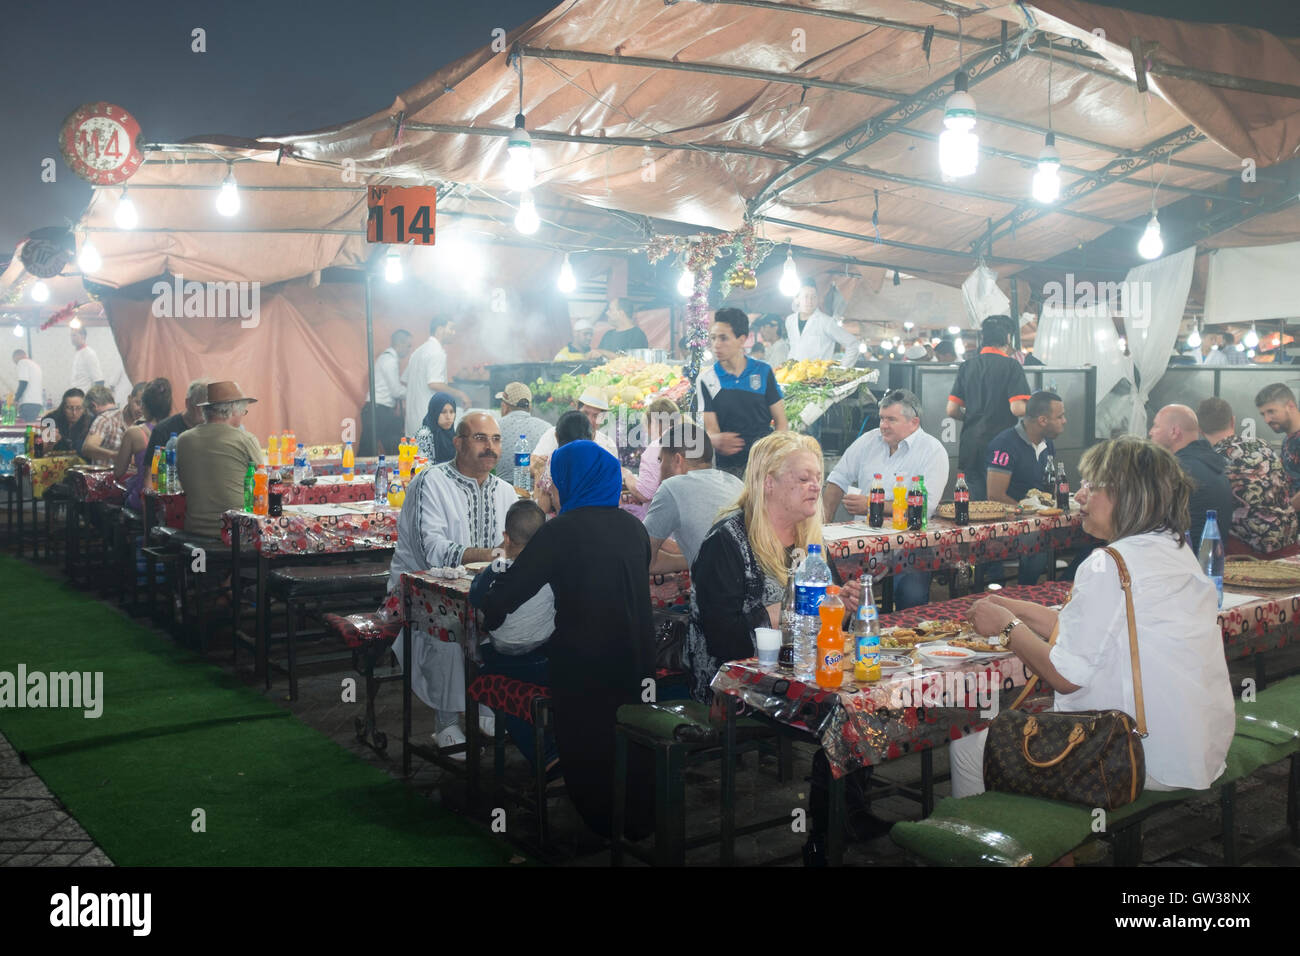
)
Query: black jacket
[{"x": 1208, "y": 469}]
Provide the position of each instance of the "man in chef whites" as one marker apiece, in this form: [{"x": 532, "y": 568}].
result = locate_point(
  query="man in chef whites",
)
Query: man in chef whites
[{"x": 812, "y": 333}]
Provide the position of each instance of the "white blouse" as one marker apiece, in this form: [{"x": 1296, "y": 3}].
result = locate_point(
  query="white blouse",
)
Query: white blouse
[{"x": 1186, "y": 690}]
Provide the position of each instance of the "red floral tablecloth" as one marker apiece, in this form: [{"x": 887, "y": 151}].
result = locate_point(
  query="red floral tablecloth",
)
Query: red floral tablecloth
[
  {"x": 669, "y": 591},
  {"x": 296, "y": 532},
  {"x": 327, "y": 490},
  {"x": 856, "y": 547},
  {"x": 440, "y": 608},
  {"x": 95, "y": 484},
  {"x": 43, "y": 473}
]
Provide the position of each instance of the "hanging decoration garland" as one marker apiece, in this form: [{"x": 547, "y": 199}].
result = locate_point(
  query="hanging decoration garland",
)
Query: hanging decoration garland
[
  {"x": 64, "y": 313},
  {"x": 699, "y": 255}
]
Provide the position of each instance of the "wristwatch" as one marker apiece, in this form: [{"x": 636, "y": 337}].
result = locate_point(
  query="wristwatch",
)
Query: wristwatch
[{"x": 1006, "y": 632}]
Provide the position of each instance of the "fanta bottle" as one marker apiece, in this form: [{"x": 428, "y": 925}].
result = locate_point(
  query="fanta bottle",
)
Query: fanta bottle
[
  {"x": 273, "y": 452},
  {"x": 349, "y": 462},
  {"x": 405, "y": 458},
  {"x": 830, "y": 640},
  {"x": 261, "y": 502},
  {"x": 153, "y": 468},
  {"x": 287, "y": 444}
]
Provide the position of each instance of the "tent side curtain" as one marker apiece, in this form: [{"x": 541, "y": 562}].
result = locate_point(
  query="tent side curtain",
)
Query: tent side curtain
[{"x": 1252, "y": 283}]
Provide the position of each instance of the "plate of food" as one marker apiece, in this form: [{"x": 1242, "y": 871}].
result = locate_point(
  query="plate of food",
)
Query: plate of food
[
  {"x": 892, "y": 663},
  {"x": 901, "y": 639},
  {"x": 980, "y": 645},
  {"x": 474, "y": 567},
  {"x": 943, "y": 654},
  {"x": 943, "y": 628}
]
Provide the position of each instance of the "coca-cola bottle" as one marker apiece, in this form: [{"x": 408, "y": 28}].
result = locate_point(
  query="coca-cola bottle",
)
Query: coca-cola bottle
[
  {"x": 961, "y": 495},
  {"x": 1062, "y": 487},
  {"x": 915, "y": 505},
  {"x": 876, "y": 515}
]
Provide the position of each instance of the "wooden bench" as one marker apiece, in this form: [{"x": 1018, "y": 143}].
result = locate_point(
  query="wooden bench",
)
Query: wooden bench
[{"x": 1001, "y": 829}]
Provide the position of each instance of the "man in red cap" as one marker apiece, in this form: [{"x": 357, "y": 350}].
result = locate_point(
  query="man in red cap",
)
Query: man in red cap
[{"x": 212, "y": 459}]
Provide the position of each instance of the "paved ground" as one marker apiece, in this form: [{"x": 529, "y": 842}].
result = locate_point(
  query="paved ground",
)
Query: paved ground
[{"x": 34, "y": 830}]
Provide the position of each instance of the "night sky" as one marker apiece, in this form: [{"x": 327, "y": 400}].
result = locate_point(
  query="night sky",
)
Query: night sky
[{"x": 271, "y": 67}]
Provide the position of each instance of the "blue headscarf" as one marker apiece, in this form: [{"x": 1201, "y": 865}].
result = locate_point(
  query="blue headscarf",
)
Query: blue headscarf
[{"x": 586, "y": 476}]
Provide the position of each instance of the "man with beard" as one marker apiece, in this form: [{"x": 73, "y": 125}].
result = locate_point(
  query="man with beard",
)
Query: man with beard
[
  {"x": 1277, "y": 404},
  {"x": 455, "y": 513}
]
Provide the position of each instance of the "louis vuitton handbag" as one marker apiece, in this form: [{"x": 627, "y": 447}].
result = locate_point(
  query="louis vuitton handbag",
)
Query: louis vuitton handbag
[{"x": 1091, "y": 757}]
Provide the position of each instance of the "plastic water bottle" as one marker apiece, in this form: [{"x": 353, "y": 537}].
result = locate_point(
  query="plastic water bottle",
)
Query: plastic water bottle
[
  {"x": 381, "y": 482},
  {"x": 173, "y": 483},
  {"x": 299, "y": 464},
  {"x": 1210, "y": 554},
  {"x": 523, "y": 458},
  {"x": 810, "y": 584}
]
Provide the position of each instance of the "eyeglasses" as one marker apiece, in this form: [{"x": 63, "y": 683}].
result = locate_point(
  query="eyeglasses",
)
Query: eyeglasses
[
  {"x": 483, "y": 439},
  {"x": 1090, "y": 487}
]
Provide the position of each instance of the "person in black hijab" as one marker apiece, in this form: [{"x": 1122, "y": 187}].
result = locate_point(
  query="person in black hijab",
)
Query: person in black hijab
[
  {"x": 436, "y": 434},
  {"x": 71, "y": 421},
  {"x": 596, "y": 558}
]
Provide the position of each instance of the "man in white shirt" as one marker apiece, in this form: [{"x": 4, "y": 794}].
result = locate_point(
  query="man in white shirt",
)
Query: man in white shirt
[
  {"x": 85, "y": 363},
  {"x": 390, "y": 389},
  {"x": 776, "y": 349},
  {"x": 1209, "y": 353},
  {"x": 812, "y": 333},
  {"x": 454, "y": 514},
  {"x": 897, "y": 447},
  {"x": 426, "y": 373},
  {"x": 594, "y": 405},
  {"x": 30, "y": 394},
  {"x": 690, "y": 496}
]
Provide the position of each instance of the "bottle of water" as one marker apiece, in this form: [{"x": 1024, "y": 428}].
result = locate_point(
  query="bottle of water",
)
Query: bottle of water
[
  {"x": 1210, "y": 554},
  {"x": 810, "y": 586},
  {"x": 299, "y": 464},
  {"x": 381, "y": 482},
  {"x": 173, "y": 483},
  {"x": 523, "y": 458}
]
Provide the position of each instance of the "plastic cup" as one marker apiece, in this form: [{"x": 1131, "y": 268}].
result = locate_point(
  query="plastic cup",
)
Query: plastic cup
[{"x": 768, "y": 642}]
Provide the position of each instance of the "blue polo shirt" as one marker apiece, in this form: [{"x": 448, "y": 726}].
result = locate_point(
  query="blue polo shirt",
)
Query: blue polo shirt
[
  {"x": 743, "y": 403},
  {"x": 1010, "y": 453}
]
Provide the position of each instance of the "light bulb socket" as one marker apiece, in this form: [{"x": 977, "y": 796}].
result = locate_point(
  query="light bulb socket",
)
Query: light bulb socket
[{"x": 961, "y": 82}]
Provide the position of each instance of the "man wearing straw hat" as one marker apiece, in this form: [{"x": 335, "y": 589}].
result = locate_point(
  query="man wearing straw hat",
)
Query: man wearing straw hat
[{"x": 212, "y": 459}]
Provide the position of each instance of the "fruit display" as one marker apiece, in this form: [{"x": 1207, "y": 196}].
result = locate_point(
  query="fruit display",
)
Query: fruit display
[
  {"x": 626, "y": 382},
  {"x": 811, "y": 387}
]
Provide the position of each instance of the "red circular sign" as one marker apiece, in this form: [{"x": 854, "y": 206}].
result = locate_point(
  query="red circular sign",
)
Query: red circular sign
[{"x": 100, "y": 142}]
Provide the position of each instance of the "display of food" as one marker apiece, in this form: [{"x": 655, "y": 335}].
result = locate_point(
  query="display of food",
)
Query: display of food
[
  {"x": 979, "y": 510},
  {"x": 626, "y": 382},
  {"x": 906, "y": 638},
  {"x": 1248, "y": 572},
  {"x": 811, "y": 386}
]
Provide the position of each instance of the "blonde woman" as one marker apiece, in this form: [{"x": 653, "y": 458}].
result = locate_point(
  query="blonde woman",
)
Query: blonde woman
[
  {"x": 740, "y": 576},
  {"x": 640, "y": 488},
  {"x": 1134, "y": 496}
]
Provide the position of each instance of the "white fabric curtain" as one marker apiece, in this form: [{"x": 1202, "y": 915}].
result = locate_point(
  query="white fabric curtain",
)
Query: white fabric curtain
[
  {"x": 983, "y": 297},
  {"x": 1155, "y": 298},
  {"x": 1253, "y": 283},
  {"x": 1072, "y": 337}
]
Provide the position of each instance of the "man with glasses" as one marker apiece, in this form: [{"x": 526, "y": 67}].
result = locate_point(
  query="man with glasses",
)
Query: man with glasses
[
  {"x": 897, "y": 447},
  {"x": 454, "y": 514}
]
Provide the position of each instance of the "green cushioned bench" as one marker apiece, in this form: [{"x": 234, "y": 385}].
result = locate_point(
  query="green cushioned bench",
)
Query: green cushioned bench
[{"x": 1001, "y": 829}]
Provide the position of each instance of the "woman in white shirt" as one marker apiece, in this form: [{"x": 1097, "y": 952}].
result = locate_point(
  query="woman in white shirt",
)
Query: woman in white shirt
[{"x": 1133, "y": 495}]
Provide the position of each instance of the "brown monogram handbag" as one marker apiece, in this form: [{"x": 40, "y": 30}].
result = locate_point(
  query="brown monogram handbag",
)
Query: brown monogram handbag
[{"x": 1092, "y": 757}]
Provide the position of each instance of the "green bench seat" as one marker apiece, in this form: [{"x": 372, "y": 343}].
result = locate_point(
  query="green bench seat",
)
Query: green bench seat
[{"x": 1002, "y": 829}]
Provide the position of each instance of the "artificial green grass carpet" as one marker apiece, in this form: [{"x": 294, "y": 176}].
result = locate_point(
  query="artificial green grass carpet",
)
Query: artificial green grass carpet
[{"x": 177, "y": 735}]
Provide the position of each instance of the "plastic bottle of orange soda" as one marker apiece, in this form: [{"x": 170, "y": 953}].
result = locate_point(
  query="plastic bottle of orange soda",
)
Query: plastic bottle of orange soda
[{"x": 830, "y": 640}]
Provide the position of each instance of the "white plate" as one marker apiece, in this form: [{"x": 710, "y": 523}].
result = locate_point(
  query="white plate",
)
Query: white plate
[{"x": 947, "y": 660}]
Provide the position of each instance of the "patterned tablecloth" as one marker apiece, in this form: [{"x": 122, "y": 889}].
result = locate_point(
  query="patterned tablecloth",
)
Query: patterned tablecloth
[
  {"x": 43, "y": 473},
  {"x": 440, "y": 607},
  {"x": 332, "y": 465},
  {"x": 327, "y": 490},
  {"x": 95, "y": 484},
  {"x": 313, "y": 529},
  {"x": 857, "y": 547}
]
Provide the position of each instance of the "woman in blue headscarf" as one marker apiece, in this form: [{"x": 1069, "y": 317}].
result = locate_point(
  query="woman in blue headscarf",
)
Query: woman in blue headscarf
[
  {"x": 596, "y": 558},
  {"x": 436, "y": 433}
]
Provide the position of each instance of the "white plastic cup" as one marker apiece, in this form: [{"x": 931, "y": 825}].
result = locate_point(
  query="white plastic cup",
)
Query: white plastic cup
[{"x": 768, "y": 642}]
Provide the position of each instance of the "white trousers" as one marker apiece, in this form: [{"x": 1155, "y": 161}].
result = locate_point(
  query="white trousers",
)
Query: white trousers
[{"x": 438, "y": 671}]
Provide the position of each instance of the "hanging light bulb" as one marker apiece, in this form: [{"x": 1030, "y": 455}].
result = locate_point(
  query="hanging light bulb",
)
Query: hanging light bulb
[
  {"x": 907, "y": 326},
  {"x": 393, "y": 266},
  {"x": 567, "y": 282},
  {"x": 959, "y": 147},
  {"x": 1251, "y": 338},
  {"x": 40, "y": 291},
  {"x": 1250, "y": 353},
  {"x": 1240, "y": 347},
  {"x": 1047, "y": 180},
  {"x": 89, "y": 258},
  {"x": 1194, "y": 340},
  {"x": 789, "y": 284},
  {"x": 686, "y": 284},
  {"x": 1123, "y": 344},
  {"x": 519, "y": 162},
  {"x": 1151, "y": 246},
  {"x": 125, "y": 215},
  {"x": 75, "y": 323},
  {"x": 954, "y": 330},
  {"x": 526, "y": 220},
  {"x": 228, "y": 196},
  {"x": 18, "y": 331}
]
